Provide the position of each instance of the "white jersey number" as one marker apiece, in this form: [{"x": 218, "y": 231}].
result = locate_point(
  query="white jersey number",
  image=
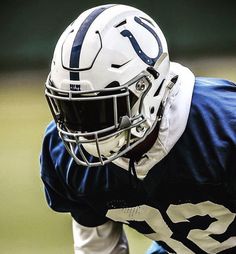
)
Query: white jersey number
[{"x": 181, "y": 213}]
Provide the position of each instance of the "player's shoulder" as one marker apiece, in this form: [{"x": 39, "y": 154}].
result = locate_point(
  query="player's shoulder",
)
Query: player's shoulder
[
  {"x": 213, "y": 81},
  {"x": 213, "y": 113},
  {"x": 51, "y": 137},
  {"x": 51, "y": 129},
  {"x": 214, "y": 92},
  {"x": 52, "y": 146},
  {"x": 210, "y": 83}
]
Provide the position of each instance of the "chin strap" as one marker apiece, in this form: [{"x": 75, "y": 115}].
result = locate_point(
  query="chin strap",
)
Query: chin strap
[
  {"x": 135, "y": 155},
  {"x": 137, "y": 152}
]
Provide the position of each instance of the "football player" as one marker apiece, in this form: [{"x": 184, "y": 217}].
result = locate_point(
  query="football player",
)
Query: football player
[{"x": 138, "y": 140}]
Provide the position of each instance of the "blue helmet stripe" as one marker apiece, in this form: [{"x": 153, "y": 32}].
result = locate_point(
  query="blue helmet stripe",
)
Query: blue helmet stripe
[{"x": 79, "y": 38}]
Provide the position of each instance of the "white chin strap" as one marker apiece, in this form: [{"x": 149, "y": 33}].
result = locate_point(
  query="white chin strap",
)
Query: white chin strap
[{"x": 106, "y": 147}]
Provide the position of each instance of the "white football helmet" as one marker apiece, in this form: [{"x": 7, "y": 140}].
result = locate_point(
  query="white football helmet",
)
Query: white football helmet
[{"x": 108, "y": 80}]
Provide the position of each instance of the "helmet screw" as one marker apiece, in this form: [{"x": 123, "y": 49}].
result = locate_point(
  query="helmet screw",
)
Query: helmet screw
[
  {"x": 140, "y": 86},
  {"x": 140, "y": 128},
  {"x": 152, "y": 110}
]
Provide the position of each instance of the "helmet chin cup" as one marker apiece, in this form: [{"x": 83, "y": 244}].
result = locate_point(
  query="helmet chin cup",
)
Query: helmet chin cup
[{"x": 108, "y": 147}]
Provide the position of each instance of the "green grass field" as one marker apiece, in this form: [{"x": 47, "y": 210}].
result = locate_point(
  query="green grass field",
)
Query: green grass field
[{"x": 27, "y": 225}]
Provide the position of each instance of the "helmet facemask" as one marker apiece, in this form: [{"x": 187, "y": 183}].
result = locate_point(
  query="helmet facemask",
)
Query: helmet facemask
[{"x": 106, "y": 123}]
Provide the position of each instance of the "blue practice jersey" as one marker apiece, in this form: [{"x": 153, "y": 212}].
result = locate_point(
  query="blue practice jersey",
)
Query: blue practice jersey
[{"x": 187, "y": 201}]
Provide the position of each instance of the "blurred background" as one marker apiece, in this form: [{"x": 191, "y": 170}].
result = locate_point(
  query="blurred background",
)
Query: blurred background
[{"x": 200, "y": 35}]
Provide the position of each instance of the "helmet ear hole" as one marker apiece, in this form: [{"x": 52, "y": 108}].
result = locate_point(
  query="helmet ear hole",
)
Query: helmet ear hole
[{"x": 152, "y": 110}]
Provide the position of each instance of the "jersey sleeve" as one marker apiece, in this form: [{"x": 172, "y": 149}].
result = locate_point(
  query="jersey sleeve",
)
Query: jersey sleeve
[
  {"x": 107, "y": 238},
  {"x": 60, "y": 196}
]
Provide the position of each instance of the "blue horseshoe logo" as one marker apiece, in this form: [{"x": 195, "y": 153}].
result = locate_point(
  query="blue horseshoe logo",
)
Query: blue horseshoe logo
[{"x": 146, "y": 59}]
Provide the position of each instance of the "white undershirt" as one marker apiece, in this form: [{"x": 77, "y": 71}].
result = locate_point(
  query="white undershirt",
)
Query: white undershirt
[{"x": 173, "y": 122}]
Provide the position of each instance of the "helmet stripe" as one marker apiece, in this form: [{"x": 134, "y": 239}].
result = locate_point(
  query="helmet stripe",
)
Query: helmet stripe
[{"x": 79, "y": 38}]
